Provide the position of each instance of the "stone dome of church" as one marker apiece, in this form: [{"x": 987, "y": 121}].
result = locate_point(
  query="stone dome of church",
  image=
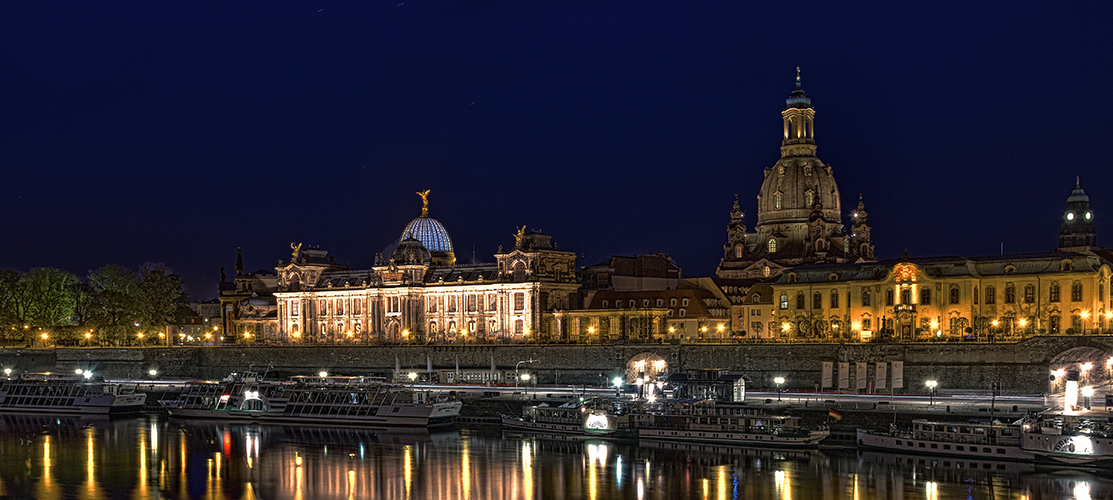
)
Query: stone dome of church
[{"x": 793, "y": 187}]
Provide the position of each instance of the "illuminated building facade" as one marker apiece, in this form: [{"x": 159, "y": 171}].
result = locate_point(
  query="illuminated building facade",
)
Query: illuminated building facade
[
  {"x": 418, "y": 293},
  {"x": 799, "y": 215},
  {"x": 1065, "y": 291}
]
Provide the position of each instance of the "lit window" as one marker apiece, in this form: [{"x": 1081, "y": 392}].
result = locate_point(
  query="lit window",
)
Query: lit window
[
  {"x": 777, "y": 198},
  {"x": 772, "y": 245}
]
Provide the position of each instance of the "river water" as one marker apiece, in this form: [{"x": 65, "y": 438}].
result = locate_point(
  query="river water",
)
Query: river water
[{"x": 45, "y": 457}]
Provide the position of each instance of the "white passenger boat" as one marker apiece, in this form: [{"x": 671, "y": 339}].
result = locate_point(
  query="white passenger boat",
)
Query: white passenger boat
[
  {"x": 981, "y": 440},
  {"x": 1081, "y": 437},
  {"x": 64, "y": 394},
  {"x": 319, "y": 400},
  {"x": 704, "y": 421}
]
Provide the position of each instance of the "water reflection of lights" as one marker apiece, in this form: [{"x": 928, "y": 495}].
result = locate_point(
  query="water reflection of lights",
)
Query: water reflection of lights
[
  {"x": 597, "y": 452},
  {"x": 931, "y": 490},
  {"x": 1081, "y": 490},
  {"x": 784, "y": 486},
  {"x": 706, "y": 489},
  {"x": 408, "y": 471},
  {"x": 351, "y": 484},
  {"x": 722, "y": 493},
  {"x": 527, "y": 469},
  {"x": 641, "y": 489},
  {"x": 618, "y": 470},
  {"x": 465, "y": 468},
  {"x": 90, "y": 465}
]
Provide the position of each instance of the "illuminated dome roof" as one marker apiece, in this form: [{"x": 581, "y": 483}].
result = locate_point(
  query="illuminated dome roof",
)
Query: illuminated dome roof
[{"x": 430, "y": 232}]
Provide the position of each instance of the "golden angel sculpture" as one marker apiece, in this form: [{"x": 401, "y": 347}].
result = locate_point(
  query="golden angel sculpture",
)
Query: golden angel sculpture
[{"x": 424, "y": 202}]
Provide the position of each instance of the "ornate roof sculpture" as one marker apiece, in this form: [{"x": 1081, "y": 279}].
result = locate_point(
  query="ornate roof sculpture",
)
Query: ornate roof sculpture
[{"x": 431, "y": 233}]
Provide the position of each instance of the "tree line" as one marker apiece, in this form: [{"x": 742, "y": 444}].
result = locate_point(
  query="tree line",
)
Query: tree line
[{"x": 113, "y": 305}]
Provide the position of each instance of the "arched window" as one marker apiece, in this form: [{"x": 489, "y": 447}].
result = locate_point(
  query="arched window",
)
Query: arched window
[
  {"x": 817, "y": 300},
  {"x": 1029, "y": 294},
  {"x": 756, "y": 299},
  {"x": 799, "y": 301},
  {"x": 777, "y": 199},
  {"x": 906, "y": 296},
  {"x": 520, "y": 272},
  {"x": 809, "y": 198},
  {"x": 772, "y": 245},
  {"x": 925, "y": 296},
  {"x": 975, "y": 296},
  {"x": 738, "y": 252},
  {"x": 1076, "y": 292},
  {"x": 865, "y": 297},
  {"x": 889, "y": 297},
  {"x": 991, "y": 294},
  {"x": 296, "y": 330},
  {"x": 954, "y": 295},
  {"x": 1010, "y": 294},
  {"x": 835, "y": 299},
  {"x": 1053, "y": 293},
  {"x": 784, "y": 301},
  {"x": 519, "y": 326}
]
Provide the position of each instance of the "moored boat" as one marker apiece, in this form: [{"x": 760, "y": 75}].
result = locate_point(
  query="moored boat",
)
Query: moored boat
[
  {"x": 320, "y": 400},
  {"x": 1071, "y": 437},
  {"x": 982, "y": 440},
  {"x": 705, "y": 421},
  {"x": 70, "y": 395},
  {"x": 597, "y": 417}
]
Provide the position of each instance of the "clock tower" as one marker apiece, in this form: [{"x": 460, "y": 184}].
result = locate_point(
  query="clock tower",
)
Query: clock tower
[{"x": 1077, "y": 233}]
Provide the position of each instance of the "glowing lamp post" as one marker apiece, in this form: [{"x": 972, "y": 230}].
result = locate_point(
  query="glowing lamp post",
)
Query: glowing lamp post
[
  {"x": 1087, "y": 393},
  {"x": 931, "y": 395},
  {"x": 779, "y": 381}
]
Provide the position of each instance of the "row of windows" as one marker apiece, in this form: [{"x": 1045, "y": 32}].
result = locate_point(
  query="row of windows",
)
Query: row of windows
[
  {"x": 990, "y": 296},
  {"x": 619, "y": 304}
]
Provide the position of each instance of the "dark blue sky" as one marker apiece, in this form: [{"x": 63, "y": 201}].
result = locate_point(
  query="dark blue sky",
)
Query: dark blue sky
[{"x": 177, "y": 131}]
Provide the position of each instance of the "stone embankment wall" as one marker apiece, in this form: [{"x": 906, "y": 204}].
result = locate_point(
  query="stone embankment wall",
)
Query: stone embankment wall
[{"x": 1023, "y": 367}]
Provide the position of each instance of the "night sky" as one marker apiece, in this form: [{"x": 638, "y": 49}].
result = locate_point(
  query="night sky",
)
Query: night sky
[{"x": 175, "y": 131}]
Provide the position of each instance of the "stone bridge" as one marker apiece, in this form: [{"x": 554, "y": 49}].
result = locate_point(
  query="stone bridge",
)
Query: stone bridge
[{"x": 1023, "y": 368}]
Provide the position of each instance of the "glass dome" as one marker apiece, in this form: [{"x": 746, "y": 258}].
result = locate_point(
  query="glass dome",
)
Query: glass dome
[{"x": 430, "y": 233}]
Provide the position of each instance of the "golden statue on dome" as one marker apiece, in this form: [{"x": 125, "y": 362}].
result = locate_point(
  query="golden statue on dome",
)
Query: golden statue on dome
[
  {"x": 424, "y": 202},
  {"x": 297, "y": 250}
]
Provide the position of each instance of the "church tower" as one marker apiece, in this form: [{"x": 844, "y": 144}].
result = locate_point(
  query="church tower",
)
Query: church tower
[
  {"x": 799, "y": 210},
  {"x": 1077, "y": 233}
]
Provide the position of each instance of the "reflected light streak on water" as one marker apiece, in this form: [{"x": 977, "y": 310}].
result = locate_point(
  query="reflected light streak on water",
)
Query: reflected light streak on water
[{"x": 205, "y": 460}]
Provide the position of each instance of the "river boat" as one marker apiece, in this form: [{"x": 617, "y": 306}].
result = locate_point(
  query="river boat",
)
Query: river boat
[
  {"x": 47, "y": 393},
  {"x": 1081, "y": 437},
  {"x": 360, "y": 401},
  {"x": 973, "y": 440},
  {"x": 705, "y": 421},
  {"x": 597, "y": 417}
]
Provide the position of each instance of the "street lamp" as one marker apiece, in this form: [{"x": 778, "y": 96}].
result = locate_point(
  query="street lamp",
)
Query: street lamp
[
  {"x": 779, "y": 381},
  {"x": 931, "y": 386},
  {"x": 1087, "y": 393},
  {"x": 525, "y": 383},
  {"x": 7, "y": 372},
  {"x": 517, "y": 365}
]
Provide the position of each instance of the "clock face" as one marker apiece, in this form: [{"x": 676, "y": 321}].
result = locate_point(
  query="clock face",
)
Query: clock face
[
  {"x": 1088, "y": 215},
  {"x": 1070, "y": 215}
]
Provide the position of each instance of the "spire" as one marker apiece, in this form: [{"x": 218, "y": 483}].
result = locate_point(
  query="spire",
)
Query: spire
[
  {"x": 736, "y": 212},
  {"x": 797, "y": 78}
]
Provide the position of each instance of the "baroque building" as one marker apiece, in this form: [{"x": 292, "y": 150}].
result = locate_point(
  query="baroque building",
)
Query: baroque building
[
  {"x": 799, "y": 215},
  {"x": 417, "y": 293},
  {"x": 950, "y": 298}
]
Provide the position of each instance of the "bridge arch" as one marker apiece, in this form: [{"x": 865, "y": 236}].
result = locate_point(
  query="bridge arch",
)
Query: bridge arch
[{"x": 646, "y": 365}]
